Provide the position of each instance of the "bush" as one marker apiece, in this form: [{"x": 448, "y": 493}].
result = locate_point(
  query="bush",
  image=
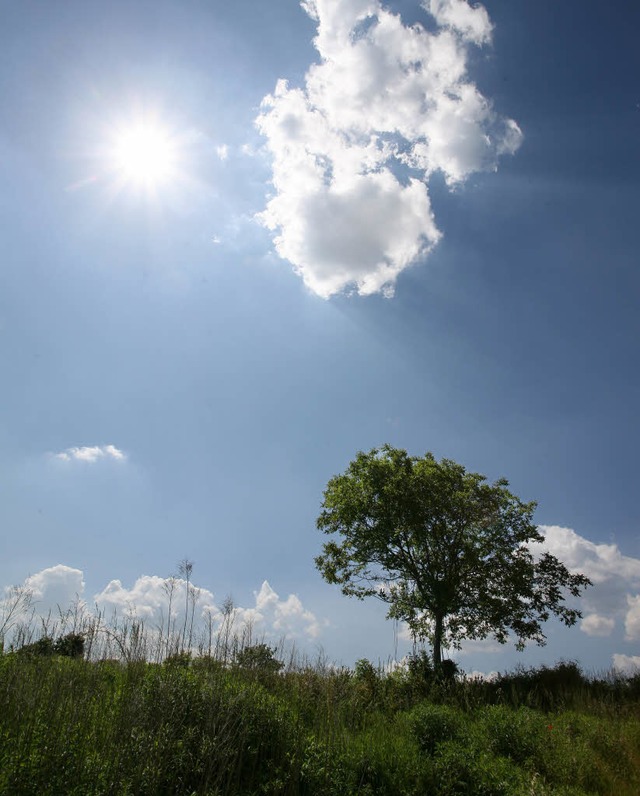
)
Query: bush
[
  {"x": 69, "y": 646},
  {"x": 460, "y": 769},
  {"x": 518, "y": 734},
  {"x": 435, "y": 724},
  {"x": 259, "y": 658}
]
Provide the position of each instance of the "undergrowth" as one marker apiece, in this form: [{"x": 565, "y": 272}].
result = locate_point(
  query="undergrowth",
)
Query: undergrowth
[{"x": 246, "y": 723}]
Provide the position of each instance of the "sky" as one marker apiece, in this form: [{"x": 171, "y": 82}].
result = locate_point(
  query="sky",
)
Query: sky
[{"x": 242, "y": 241}]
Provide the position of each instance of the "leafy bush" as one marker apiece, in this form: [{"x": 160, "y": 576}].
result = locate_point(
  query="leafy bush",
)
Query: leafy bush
[
  {"x": 260, "y": 658},
  {"x": 518, "y": 734},
  {"x": 463, "y": 770},
  {"x": 69, "y": 646},
  {"x": 436, "y": 724}
]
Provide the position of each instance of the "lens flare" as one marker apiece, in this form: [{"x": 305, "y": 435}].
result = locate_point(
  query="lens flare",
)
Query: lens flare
[{"x": 145, "y": 155}]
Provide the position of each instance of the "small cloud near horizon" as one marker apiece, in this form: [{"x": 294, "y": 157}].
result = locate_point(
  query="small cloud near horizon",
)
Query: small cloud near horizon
[{"x": 154, "y": 599}]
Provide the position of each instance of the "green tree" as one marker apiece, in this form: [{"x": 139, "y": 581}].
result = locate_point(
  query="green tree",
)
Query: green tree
[
  {"x": 447, "y": 551},
  {"x": 259, "y": 657}
]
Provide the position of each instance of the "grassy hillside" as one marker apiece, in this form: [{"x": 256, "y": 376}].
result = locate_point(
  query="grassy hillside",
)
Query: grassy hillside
[{"x": 249, "y": 726}]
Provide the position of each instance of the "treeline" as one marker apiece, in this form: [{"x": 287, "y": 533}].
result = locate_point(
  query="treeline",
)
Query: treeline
[{"x": 252, "y": 724}]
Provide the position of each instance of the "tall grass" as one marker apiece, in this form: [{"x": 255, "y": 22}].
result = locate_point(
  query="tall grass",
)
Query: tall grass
[{"x": 94, "y": 707}]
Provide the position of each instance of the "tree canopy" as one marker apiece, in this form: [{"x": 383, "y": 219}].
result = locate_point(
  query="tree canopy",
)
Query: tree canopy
[{"x": 448, "y": 551}]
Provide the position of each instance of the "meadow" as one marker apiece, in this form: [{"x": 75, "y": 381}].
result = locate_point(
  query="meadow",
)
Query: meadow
[{"x": 90, "y": 714}]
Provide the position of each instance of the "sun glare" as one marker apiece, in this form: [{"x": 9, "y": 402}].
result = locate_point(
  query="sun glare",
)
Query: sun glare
[{"x": 145, "y": 155}]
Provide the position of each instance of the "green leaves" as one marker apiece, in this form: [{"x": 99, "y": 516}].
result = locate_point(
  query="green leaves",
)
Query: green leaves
[{"x": 446, "y": 550}]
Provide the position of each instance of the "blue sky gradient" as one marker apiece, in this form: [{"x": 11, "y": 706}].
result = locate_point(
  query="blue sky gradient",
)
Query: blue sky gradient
[{"x": 169, "y": 327}]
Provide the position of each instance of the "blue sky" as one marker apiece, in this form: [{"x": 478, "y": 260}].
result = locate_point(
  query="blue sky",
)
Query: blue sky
[{"x": 426, "y": 237}]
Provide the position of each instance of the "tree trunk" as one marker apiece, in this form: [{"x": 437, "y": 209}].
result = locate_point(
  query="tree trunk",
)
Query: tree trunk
[{"x": 437, "y": 640}]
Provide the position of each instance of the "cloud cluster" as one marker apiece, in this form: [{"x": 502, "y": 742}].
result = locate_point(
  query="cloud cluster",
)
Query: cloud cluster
[
  {"x": 611, "y": 606},
  {"x": 615, "y": 594},
  {"x": 91, "y": 454},
  {"x": 149, "y": 598},
  {"x": 387, "y": 106},
  {"x": 165, "y": 602}
]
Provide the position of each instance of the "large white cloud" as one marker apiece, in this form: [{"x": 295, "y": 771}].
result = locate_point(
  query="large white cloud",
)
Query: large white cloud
[
  {"x": 596, "y": 625},
  {"x": 51, "y": 600},
  {"x": 150, "y": 597},
  {"x": 387, "y": 106},
  {"x": 601, "y": 562}
]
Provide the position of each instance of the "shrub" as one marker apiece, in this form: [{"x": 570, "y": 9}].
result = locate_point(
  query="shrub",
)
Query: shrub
[
  {"x": 517, "y": 734},
  {"x": 69, "y": 646},
  {"x": 460, "y": 769},
  {"x": 435, "y": 724},
  {"x": 365, "y": 671},
  {"x": 260, "y": 658}
]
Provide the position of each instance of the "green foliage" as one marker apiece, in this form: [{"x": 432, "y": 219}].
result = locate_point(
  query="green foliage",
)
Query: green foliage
[
  {"x": 365, "y": 671},
  {"x": 517, "y": 734},
  {"x": 70, "y": 645},
  {"x": 445, "y": 550},
  {"x": 76, "y": 727},
  {"x": 181, "y": 659},
  {"x": 195, "y": 727},
  {"x": 259, "y": 658},
  {"x": 546, "y": 688},
  {"x": 463, "y": 770},
  {"x": 433, "y": 725}
]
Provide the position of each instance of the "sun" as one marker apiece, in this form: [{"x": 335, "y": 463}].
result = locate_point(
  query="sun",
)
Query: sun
[{"x": 144, "y": 155}]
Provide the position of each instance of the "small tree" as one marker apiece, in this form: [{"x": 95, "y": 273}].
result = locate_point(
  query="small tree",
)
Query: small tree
[
  {"x": 259, "y": 658},
  {"x": 448, "y": 552}
]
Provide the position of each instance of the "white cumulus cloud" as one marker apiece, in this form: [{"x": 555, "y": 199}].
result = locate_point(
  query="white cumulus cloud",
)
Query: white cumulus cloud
[
  {"x": 470, "y": 22},
  {"x": 164, "y": 602},
  {"x": 289, "y": 616},
  {"x": 601, "y": 562},
  {"x": 615, "y": 578},
  {"x": 55, "y": 588},
  {"x": 387, "y": 106},
  {"x": 152, "y": 597},
  {"x": 596, "y": 625},
  {"x": 632, "y": 618},
  {"x": 627, "y": 664},
  {"x": 91, "y": 454}
]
